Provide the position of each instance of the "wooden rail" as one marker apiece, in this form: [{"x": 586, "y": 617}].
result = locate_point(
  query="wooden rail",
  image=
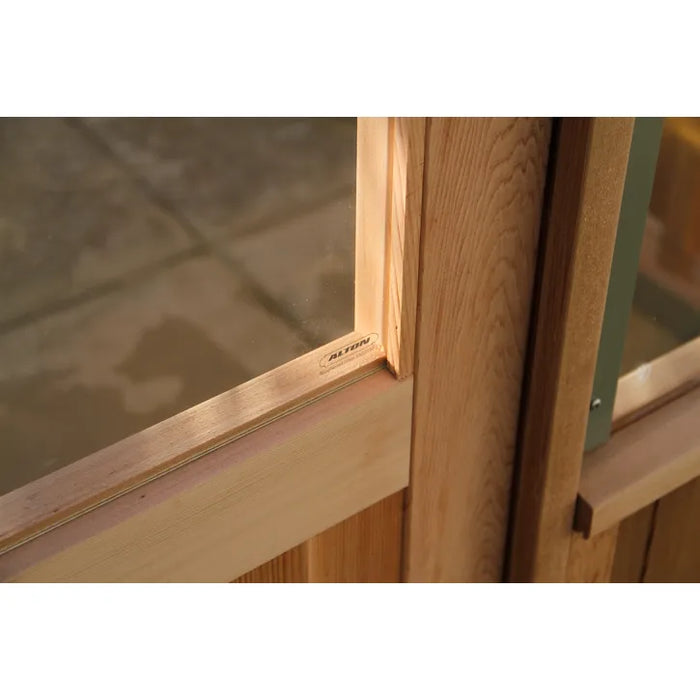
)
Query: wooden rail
[{"x": 640, "y": 464}]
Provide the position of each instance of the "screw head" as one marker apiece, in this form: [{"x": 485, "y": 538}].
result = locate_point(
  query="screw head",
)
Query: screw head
[{"x": 595, "y": 403}]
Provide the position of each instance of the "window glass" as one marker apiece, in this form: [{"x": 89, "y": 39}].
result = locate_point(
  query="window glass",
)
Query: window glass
[
  {"x": 147, "y": 265},
  {"x": 666, "y": 308}
]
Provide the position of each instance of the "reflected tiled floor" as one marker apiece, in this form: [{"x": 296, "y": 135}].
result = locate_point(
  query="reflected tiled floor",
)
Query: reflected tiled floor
[{"x": 147, "y": 265}]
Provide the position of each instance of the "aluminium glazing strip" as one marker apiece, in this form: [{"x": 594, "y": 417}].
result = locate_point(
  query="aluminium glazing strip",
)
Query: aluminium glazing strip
[{"x": 623, "y": 275}]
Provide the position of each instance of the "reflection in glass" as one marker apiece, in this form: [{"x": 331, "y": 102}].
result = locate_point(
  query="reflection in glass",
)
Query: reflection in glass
[
  {"x": 147, "y": 265},
  {"x": 666, "y": 309}
]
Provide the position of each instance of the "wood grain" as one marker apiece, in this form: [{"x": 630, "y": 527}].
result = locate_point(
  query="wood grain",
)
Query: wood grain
[
  {"x": 482, "y": 199},
  {"x": 674, "y": 554},
  {"x": 371, "y": 225},
  {"x": 578, "y": 241},
  {"x": 591, "y": 561},
  {"x": 243, "y": 504},
  {"x": 656, "y": 383},
  {"x": 407, "y": 156},
  {"x": 632, "y": 546},
  {"x": 290, "y": 567},
  {"x": 365, "y": 548},
  {"x": 640, "y": 464},
  {"x": 119, "y": 468}
]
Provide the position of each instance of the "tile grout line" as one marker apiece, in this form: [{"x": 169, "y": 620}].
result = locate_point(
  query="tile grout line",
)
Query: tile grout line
[{"x": 144, "y": 185}]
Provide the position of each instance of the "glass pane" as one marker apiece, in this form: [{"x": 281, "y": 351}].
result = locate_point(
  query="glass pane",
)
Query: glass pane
[
  {"x": 147, "y": 265},
  {"x": 666, "y": 308}
]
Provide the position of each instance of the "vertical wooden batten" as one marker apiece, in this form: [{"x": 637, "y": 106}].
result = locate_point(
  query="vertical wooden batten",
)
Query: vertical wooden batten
[
  {"x": 482, "y": 200},
  {"x": 371, "y": 219},
  {"x": 588, "y": 175},
  {"x": 407, "y": 156}
]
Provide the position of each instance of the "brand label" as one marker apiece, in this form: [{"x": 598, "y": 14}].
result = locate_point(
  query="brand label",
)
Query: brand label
[{"x": 348, "y": 352}]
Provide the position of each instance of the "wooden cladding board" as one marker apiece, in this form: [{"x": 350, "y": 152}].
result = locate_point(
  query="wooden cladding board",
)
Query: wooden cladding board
[
  {"x": 633, "y": 540},
  {"x": 482, "y": 198},
  {"x": 365, "y": 548},
  {"x": 290, "y": 567},
  {"x": 243, "y": 504},
  {"x": 590, "y": 161},
  {"x": 674, "y": 547},
  {"x": 659, "y": 544},
  {"x": 591, "y": 561},
  {"x": 640, "y": 464}
]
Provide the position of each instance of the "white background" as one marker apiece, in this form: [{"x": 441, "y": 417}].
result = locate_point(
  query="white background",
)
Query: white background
[{"x": 328, "y": 59}]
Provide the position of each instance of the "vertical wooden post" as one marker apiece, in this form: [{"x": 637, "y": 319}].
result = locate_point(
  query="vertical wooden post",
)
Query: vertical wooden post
[{"x": 482, "y": 200}]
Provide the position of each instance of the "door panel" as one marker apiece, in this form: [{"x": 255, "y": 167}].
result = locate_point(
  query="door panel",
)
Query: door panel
[{"x": 674, "y": 554}]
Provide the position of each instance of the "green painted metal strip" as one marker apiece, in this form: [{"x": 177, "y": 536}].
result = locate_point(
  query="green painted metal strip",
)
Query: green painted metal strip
[{"x": 623, "y": 274}]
